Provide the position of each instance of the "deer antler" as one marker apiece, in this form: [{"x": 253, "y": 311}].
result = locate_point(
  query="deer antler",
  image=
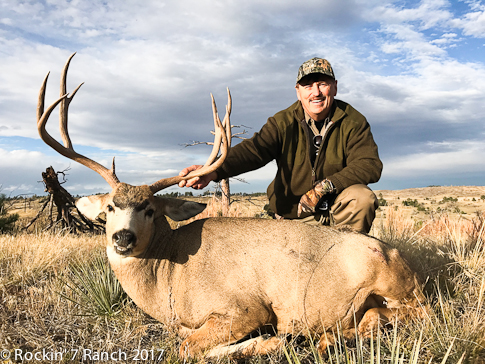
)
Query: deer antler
[
  {"x": 67, "y": 150},
  {"x": 222, "y": 134}
]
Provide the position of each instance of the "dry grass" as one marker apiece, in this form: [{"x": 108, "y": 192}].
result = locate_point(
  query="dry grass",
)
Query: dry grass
[
  {"x": 39, "y": 311},
  {"x": 449, "y": 255},
  {"x": 34, "y": 312},
  {"x": 240, "y": 206}
]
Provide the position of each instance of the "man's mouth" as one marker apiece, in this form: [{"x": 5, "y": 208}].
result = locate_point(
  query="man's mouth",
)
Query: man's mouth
[{"x": 316, "y": 101}]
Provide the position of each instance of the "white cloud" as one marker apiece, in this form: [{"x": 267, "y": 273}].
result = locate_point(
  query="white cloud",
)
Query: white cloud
[
  {"x": 447, "y": 38},
  {"x": 149, "y": 67},
  {"x": 441, "y": 158},
  {"x": 428, "y": 14},
  {"x": 473, "y": 24}
]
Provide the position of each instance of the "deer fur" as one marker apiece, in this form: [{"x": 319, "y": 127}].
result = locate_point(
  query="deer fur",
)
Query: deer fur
[{"x": 219, "y": 279}]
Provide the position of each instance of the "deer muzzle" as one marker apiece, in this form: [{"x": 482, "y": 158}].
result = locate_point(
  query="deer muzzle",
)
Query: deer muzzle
[{"x": 124, "y": 241}]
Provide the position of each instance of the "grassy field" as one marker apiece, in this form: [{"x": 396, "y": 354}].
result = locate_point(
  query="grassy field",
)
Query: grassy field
[{"x": 61, "y": 303}]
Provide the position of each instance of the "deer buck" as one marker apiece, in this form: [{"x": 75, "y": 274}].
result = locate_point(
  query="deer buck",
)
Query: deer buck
[{"x": 218, "y": 280}]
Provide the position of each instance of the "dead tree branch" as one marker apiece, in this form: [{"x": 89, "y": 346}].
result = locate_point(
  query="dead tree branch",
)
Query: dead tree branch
[
  {"x": 68, "y": 217},
  {"x": 223, "y": 185}
]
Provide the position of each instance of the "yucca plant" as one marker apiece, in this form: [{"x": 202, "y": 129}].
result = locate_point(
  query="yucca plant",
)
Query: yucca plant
[{"x": 95, "y": 289}]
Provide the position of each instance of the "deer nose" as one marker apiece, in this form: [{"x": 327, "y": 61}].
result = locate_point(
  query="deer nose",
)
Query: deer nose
[{"x": 124, "y": 238}]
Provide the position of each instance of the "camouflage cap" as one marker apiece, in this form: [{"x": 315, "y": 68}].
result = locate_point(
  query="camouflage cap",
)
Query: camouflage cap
[{"x": 315, "y": 65}]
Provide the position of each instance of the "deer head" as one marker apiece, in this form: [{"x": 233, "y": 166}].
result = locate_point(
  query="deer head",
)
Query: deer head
[{"x": 131, "y": 211}]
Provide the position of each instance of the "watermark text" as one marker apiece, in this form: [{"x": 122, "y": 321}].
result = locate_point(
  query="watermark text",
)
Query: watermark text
[{"x": 82, "y": 355}]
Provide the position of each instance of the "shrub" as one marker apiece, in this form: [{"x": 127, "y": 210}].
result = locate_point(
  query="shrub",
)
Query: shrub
[
  {"x": 448, "y": 199},
  {"x": 7, "y": 221},
  {"x": 410, "y": 202},
  {"x": 382, "y": 201}
]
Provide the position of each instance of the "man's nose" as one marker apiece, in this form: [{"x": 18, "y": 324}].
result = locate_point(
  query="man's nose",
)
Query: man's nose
[{"x": 315, "y": 89}]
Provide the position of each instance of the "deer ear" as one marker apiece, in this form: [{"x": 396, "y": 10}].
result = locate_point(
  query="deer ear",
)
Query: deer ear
[
  {"x": 179, "y": 210},
  {"x": 91, "y": 206}
]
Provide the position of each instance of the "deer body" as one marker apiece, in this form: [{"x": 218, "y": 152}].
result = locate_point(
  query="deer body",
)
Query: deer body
[
  {"x": 218, "y": 280},
  {"x": 244, "y": 274},
  {"x": 283, "y": 272}
]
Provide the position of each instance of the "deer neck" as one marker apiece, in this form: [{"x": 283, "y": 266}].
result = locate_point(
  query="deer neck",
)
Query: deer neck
[{"x": 146, "y": 278}]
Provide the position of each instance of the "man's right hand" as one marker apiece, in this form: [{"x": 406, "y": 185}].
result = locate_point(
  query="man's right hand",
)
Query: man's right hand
[
  {"x": 196, "y": 183},
  {"x": 310, "y": 200}
]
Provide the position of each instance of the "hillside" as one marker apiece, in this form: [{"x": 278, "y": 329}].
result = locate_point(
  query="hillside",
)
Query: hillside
[{"x": 423, "y": 203}]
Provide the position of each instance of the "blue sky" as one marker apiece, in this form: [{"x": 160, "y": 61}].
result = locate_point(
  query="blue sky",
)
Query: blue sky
[{"x": 415, "y": 69}]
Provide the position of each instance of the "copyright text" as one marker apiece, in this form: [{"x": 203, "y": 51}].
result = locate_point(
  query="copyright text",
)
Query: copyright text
[{"x": 82, "y": 354}]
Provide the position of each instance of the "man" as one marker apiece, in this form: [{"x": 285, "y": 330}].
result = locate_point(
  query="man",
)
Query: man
[{"x": 325, "y": 153}]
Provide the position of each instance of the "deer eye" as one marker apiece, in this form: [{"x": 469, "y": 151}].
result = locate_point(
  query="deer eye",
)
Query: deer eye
[
  {"x": 110, "y": 208},
  {"x": 149, "y": 212}
]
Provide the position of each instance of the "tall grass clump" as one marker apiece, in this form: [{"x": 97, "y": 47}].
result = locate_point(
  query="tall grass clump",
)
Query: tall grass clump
[
  {"x": 94, "y": 288},
  {"x": 460, "y": 309},
  {"x": 449, "y": 256},
  {"x": 379, "y": 349},
  {"x": 38, "y": 311}
]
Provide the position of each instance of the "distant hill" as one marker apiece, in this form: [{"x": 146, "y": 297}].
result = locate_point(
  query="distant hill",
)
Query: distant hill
[
  {"x": 436, "y": 192},
  {"x": 423, "y": 203}
]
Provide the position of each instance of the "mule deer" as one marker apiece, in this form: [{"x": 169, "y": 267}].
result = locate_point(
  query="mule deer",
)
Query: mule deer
[{"x": 219, "y": 279}]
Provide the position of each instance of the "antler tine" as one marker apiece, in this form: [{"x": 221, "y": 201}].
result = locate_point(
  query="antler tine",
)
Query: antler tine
[
  {"x": 221, "y": 135},
  {"x": 64, "y": 107},
  {"x": 67, "y": 150},
  {"x": 218, "y": 135},
  {"x": 227, "y": 121},
  {"x": 227, "y": 127}
]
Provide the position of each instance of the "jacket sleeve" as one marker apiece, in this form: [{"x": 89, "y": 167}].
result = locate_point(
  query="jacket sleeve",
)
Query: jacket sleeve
[
  {"x": 363, "y": 165},
  {"x": 252, "y": 153}
]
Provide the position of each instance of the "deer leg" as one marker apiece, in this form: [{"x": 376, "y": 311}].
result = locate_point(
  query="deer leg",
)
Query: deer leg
[
  {"x": 211, "y": 333},
  {"x": 380, "y": 316},
  {"x": 329, "y": 338},
  {"x": 215, "y": 336},
  {"x": 374, "y": 319},
  {"x": 256, "y": 346}
]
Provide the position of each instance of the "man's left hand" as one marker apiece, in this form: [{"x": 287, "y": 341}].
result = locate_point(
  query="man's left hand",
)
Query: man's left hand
[{"x": 310, "y": 200}]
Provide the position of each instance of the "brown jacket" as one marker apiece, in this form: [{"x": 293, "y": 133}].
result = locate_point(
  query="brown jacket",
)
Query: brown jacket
[{"x": 348, "y": 155}]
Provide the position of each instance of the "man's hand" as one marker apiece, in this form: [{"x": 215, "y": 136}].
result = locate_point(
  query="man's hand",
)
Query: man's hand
[
  {"x": 310, "y": 200},
  {"x": 196, "y": 183}
]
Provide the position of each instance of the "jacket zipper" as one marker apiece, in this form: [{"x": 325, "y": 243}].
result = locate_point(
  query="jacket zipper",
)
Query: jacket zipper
[{"x": 324, "y": 140}]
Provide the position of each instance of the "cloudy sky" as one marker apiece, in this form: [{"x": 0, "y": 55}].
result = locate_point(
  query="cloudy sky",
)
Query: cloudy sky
[{"x": 415, "y": 69}]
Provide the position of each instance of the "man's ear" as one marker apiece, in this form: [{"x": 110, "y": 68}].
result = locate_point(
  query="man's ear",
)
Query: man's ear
[
  {"x": 179, "y": 210},
  {"x": 92, "y": 206},
  {"x": 297, "y": 88}
]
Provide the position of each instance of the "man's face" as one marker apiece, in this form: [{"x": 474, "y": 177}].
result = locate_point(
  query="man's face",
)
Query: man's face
[{"x": 316, "y": 93}]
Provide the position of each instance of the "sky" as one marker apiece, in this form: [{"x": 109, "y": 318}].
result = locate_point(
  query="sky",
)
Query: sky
[{"x": 415, "y": 69}]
